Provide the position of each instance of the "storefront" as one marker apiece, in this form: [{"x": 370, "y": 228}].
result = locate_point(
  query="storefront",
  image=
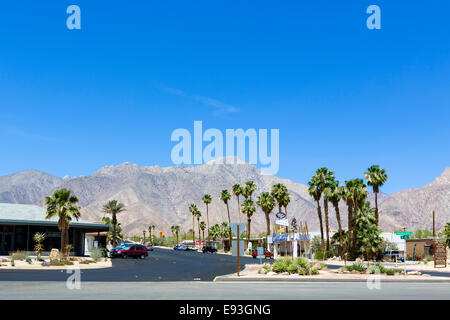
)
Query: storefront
[{"x": 19, "y": 223}]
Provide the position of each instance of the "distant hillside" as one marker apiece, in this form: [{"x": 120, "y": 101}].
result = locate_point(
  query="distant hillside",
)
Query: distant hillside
[{"x": 161, "y": 196}]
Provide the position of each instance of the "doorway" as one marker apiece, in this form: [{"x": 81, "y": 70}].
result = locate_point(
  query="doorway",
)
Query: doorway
[{"x": 6, "y": 242}]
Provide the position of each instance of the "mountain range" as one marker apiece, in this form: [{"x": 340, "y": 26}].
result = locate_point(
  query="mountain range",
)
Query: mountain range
[{"x": 161, "y": 196}]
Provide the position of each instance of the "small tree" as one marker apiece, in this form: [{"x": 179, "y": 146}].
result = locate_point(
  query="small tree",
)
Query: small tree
[{"x": 39, "y": 246}]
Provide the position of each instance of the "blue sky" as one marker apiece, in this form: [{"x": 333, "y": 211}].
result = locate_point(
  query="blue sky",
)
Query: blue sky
[{"x": 342, "y": 96}]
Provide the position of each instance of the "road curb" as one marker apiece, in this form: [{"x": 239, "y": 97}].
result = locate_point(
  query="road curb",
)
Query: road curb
[{"x": 253, "y": 279}]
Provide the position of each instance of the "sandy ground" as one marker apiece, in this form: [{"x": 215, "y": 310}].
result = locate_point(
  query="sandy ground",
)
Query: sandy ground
[
  {"x": 23, "y": 265},
  {"x": 409, "y": 265},
  {"x": 251, "y": 271}
]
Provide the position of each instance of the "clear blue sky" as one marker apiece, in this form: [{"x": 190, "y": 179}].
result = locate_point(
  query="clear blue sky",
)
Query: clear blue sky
[{"x": 342, "y": 96}]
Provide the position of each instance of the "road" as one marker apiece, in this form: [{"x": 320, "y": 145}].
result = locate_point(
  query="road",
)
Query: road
[
  {"x": 168, "y": 274},
  {"x": 160, "y": 265}
]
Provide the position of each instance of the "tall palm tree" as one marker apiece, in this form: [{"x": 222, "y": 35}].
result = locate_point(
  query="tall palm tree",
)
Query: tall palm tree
[
  {"x": 150, "y": 229},
  {"x": 237, "y": 191},
  {"x": 198, "y": 215},
  {"x": 143, "y": 233},
  {"x": 225, "y": 196},
  {"x": 278, "y": 192},
  {"x": 225, "y": 231},
  {"x": 62, "y": 204},
  {"x": 334, "y": 194},
  {"x": 193, "y": 209},
  {"x": 113, "y": 207},
  {"x": 267, "y": 203},
  {"x": 203, "y": 227},
  {"x": 207, "y": 200},
  {"x": 376, "y": 177},
  {"x": 248, "y": 189},
  {"x": 325, "y": 177},
  {"x": 248, "y": 208},
  {"x": 177, "y": 231},
  {"x": 316, "y": 193}
]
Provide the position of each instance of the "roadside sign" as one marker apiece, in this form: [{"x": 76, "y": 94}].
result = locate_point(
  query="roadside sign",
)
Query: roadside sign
[
  {"x": 260, "y": 252},
  {"x": 282, "y": 222},
  {"x": 234, "y": 225},
  {"x": 280, "y": 215},
  {"x": 404, "y": 233},
  {"x": 404, "y": 237},
  {"x": 234, "y": 249}
]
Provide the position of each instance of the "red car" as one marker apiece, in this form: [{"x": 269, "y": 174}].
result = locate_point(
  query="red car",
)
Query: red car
[
  {"x": 267, "y": 254},
  {"x": 135, "y": 251}
]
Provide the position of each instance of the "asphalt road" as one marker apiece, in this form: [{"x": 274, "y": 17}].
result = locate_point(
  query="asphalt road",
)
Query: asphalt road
[
  {"x": 160, "y": 265},
  {"x": 224, "y": 291}
]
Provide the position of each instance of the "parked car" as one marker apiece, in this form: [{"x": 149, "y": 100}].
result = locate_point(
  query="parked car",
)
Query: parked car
[
  {"x": 149, "y": 247},
  {"x": 114, "y": 251},
  {"x": 267, "y": 254},
  {"x": 394, "y": 255},
  {"x": 180, "y": 247},
  {"x": 209, "y": 249},
  {"x": 135, "y": 251},
  {"x": 192, "y": 248}
]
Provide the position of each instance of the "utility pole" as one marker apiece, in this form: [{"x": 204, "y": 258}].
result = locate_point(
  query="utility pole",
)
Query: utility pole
[{"x": 434, "y": 225}]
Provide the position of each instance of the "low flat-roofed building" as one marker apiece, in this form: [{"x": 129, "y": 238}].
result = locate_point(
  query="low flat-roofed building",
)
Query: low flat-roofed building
[{"x": 19, "y": 223}]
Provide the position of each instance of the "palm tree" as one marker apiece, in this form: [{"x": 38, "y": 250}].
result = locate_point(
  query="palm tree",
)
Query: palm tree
[
  {"x": 62, "y": 205},
  {"x": 150, "y": 228},
  {"x": 143, "y": 233},
  {"x": 198, "y": 215},
  {"x": 177, "y": 231},
  {"x": 193, "y": 209},
  {"x": 334, "y": 194},
  {"x": 113, "y": 207},
  {"x": 207, "y": 200},
  {"x": 316, "y": 193},
  {"x": 225, "y": 231},
  {"x": 248, "y": 189},
  {"x": 267, "y": 203},
  {"x": 237, "y": 191},
  {"x": 203, "y": 227},
  {"x": 376, "y": 177},
  {"x": 325, "y": 178},
  {"x": 248, "y": 208},
  {"x": 225, "y": 196},
  {"x": 278, "y": 192}
]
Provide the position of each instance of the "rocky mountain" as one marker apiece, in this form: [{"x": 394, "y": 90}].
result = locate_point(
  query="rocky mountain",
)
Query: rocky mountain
[{"x": 161, "y": 196}]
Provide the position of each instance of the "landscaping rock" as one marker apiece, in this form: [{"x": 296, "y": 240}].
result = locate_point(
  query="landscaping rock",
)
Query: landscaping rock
[
  {"x": 414, "y": 273},
  {"x": 271, "y": 273},
  {"x": 317, "y": 266},
  {"x": 426, "y": 275},
  {"x": 355, "y": 272},
  {"x": 54, "y": 255}
]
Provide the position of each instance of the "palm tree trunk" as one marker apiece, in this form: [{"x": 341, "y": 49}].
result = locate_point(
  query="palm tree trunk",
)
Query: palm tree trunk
[
  {"x": 239, "y": 209},
  {"x": 319, "y": 213},
  {"x": 193, "y": 230},
  {"x": 248, "y": 230},
  {"x": 350, "y": 231},
  {"x": 64, "y": 238},
  {"x": 327, "y": 227},
  {"x": 229, "y": 226},
  {"x": 267, "y": 223},
  {"x": 177, "y": 237},
  {"x": 376, "y": 208},
  {"x": 199, "y": 235},
  {"x": 114, "y": 221},
  {"x": 354, "y": 238},
  {"x": 207, "y": 220},
  {"x": 338, "y": 218}
]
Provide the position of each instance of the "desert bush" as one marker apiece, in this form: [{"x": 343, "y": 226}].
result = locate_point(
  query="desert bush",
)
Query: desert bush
[
  {"x": 28, "y": 260},
  {"x": 375, "y": 268},
  {"x": 319, "y": 255},
  {"x": 87, "y": 262},
  {"x": 357, "y": 266},
  {"x": 281, "y": 265},
  {"x": 98, "y": 253},
  {"x": 292, "y": 268},
  {"x": 390, "y": 272},
  {"x": 19, "y": 255},
  {"x": 60, "y": 263},
  {"x": 314, "y": 271},
  {"x": 266, "y": 267}
]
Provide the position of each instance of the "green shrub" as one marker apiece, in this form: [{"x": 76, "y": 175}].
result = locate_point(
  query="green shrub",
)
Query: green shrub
[
  {"x": 376, "y": 268},
  {"x": 19, "y": 255},
  {"x": 266, "y": 267},
  {"x": 292, "y": 268},
  {"x": 314, "y": 271},
  {"x": 358, "y": 266},
  {"x": 319, "y": 255},
  {"x": 98, "y": 253},
  {"x": 390, "y": 272},
  {"x": 61, "y": 263},
  {"x": 87, "y": 262},
  {"x": 302, "y": 271},
  {"x": 302, "y": 262},
  {"x": 28, "y": 259},
  {"x": 281, "y": 265},
  {"x": 13, "y": 264}
]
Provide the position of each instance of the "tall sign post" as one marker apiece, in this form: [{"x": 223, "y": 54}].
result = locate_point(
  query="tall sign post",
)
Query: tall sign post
[
  {"x": 404, "y": 235},
  {"x": 236, "y": 228}
]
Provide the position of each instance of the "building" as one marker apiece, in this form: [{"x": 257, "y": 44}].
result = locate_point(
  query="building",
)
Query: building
[
  {"x": 420, "y": 247},
  {"x": 19, "y": 223}
]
